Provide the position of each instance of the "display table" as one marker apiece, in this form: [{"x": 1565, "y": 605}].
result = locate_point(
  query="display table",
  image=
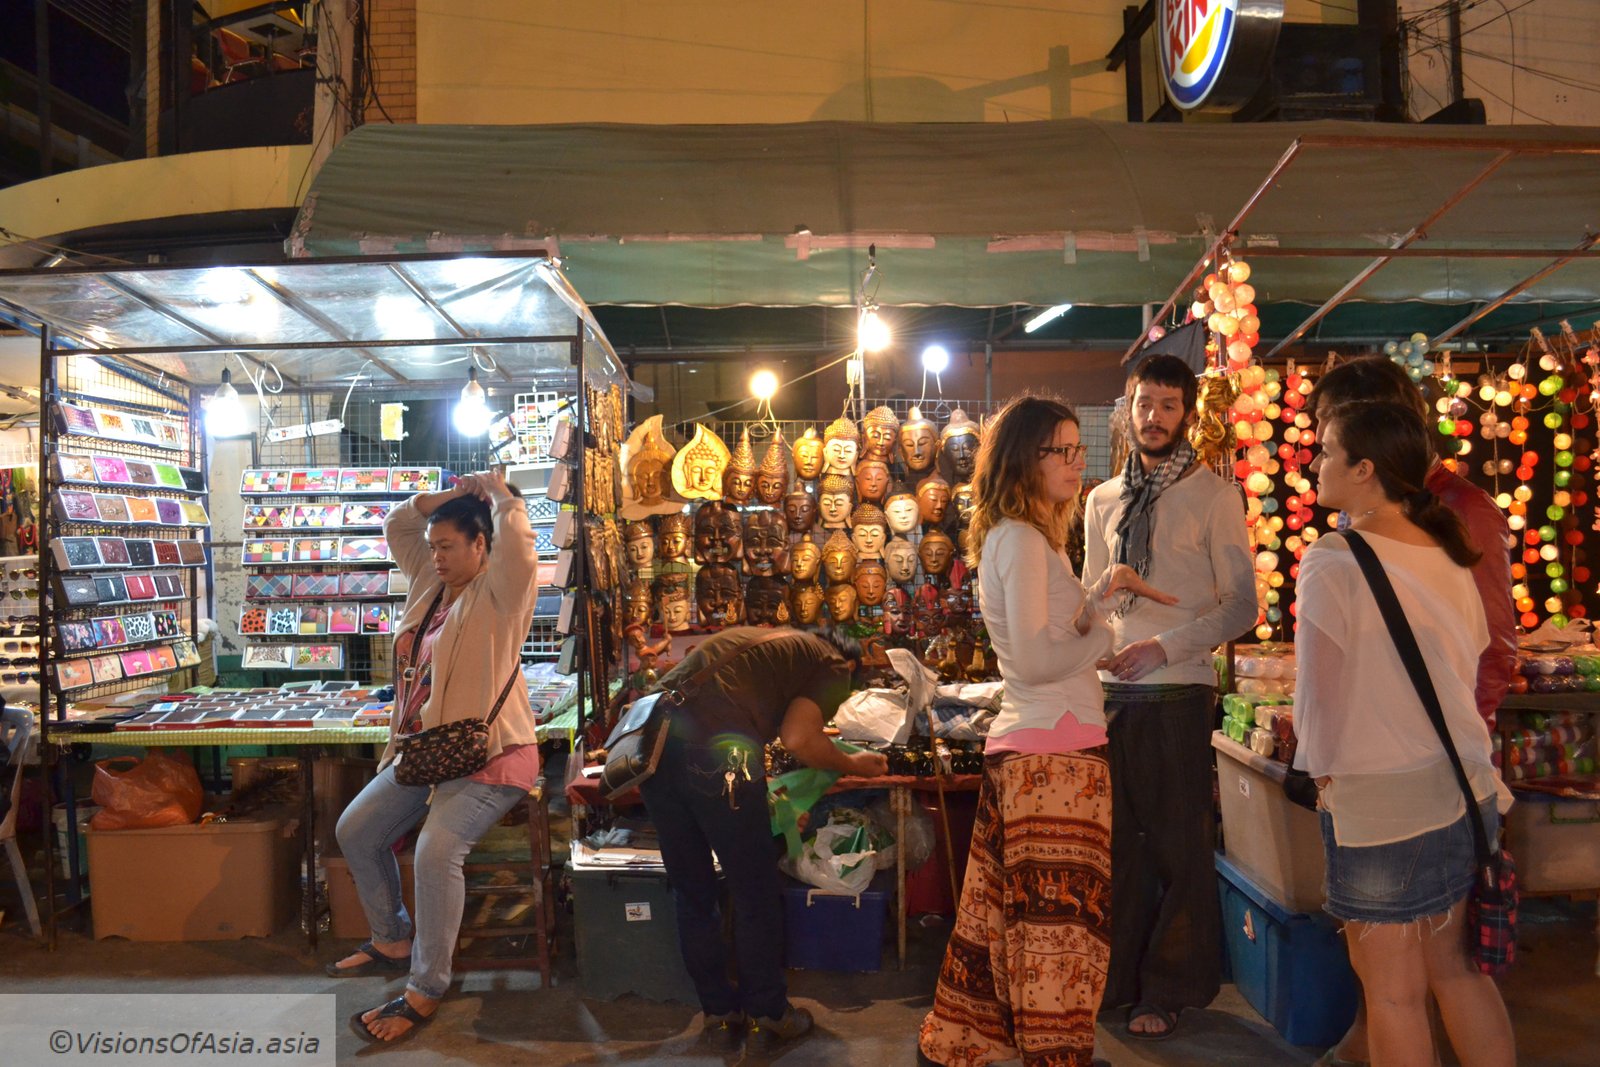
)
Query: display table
[
  {"x": 585, "y": 791},
  {"x": 308, "y": 743}
]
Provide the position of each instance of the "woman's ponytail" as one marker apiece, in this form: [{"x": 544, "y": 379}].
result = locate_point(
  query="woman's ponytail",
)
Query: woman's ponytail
[{"x": 1443, "y": 525}]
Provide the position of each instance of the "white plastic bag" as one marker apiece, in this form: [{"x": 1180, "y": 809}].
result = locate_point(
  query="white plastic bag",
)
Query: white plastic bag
[
  {"x": 918, "y": 841},
  {"x": 874, "y": 715},
  {"x": 834, "y": 860}
]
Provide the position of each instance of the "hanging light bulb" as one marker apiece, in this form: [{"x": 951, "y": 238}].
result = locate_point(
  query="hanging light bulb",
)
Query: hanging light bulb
[
  {"x": 472, "y": 415},
  {"x": 224, "y": 412},
  {"x": 763, "y": 385},
  {"x": 936, "y": 359},
  {"x": 872, "y": 333}
]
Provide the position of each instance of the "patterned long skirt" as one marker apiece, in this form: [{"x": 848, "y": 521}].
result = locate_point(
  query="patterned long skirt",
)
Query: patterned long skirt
[{"x": 1025, "y": 967}]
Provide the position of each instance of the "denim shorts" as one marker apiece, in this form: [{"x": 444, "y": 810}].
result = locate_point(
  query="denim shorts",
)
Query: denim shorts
[{"x": 1405, "y": 880}]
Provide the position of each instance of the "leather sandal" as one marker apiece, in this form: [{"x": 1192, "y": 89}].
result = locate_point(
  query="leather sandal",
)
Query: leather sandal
[
  {"x": 1169, "y": 1022},
  {"x": 377, "y": 963},
  {"x": 399, "y": 1007}
]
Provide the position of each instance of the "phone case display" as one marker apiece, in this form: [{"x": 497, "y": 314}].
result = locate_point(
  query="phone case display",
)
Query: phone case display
[
  {"x": 123, "y": 522},
  {"x": 347, "y": 481}
]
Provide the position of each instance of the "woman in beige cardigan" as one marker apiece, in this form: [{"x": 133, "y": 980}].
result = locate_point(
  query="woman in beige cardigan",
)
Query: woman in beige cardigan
[{"x": 469, "y": 554}]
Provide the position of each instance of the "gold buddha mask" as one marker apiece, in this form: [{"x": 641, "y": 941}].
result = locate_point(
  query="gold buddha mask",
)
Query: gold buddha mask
[
  {"x": 872, "y": 480},
  {"x": 919, "y": 443},
  {"x": 808, "y": 455},
  {"x": 673, "y": 536},
  {"x": 646, "y": 466},
  {"x": 835, "y": 498},
  {"x": 839, "y": 558},
  {"x": 936, "y": 552},
  {"x": 842, "y": 602},
  {"x": 772, "y": 480},
  {"x": 880, "y": 430},
  {"x": 636, "y": 601},
  {"x": 698, "y": 468},
  {"x": 639, "y": 540},
  {"x": 961, "y": 496},
  {"x": 933, "y": 499},
  {"x": 739, "y": 481},
  {"x": 805, "y": 559},
  {"x": 805, "y": 602}
]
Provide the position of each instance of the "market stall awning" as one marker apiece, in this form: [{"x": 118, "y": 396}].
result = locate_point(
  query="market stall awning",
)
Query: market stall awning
[
  {"x": 980, "y": 214},
  {"x": 401, "y": 319}
]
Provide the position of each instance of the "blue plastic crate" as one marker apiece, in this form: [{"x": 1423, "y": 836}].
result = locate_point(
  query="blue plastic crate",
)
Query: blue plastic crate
[
  {"x": 1292, "y": 967},
  {"x": 834, "y": 931}
]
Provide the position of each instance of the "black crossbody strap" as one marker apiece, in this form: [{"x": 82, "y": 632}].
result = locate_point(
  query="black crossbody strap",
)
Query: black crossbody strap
[{"x": 1405, "y": 642}]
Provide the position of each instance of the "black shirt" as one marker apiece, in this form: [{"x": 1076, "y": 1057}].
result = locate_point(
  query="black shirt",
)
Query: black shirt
[{"x": 750, "y": 694}]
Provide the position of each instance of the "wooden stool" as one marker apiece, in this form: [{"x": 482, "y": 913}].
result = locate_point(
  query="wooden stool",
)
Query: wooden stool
[{"x": 533, "y": 876}]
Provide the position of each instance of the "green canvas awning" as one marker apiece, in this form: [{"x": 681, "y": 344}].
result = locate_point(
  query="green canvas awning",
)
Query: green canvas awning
[{"x": 980, "y": 214}]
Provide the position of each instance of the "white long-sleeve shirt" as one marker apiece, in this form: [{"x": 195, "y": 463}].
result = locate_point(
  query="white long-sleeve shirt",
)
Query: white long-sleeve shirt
[
  {"x": 1199, "y": 553},
  {"x": 1357, "y": 716},
  {"x": 1030, "y": 599}
]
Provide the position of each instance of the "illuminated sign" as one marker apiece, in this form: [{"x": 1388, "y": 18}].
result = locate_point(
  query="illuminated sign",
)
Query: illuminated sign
[{"x": 1214, "y": 53}]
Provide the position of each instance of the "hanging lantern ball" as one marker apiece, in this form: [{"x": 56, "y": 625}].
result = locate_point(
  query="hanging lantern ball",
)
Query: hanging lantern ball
[
  {"x": 1200, "y": 309},
  {"x": 1238, "y": 351},
  {"x": 1547, "y": 362},
  {"x": 1529, "y": 621},
  {"x": 1238, "y": 272},
  {"x": 1560, "y": 620},
  {"x": 1553, "y": 604},
  {"x": 1564, "y": 458},
  {"x": 1244, "y": 293},
  {"x": 1516, "y": 372},
  {"x": 1264, "y": 632},
  {"x": 1391, "y": 349},
  {"x": 1549, "y": 553},
  {"x": 1554, "y": 570},
  {"x": 1447, "y": 427},
  {"x": 1555, "y": 512},
  {"x": 1550, "y": 386},
  {"x": 1419, "y": 342},
  {"x": 1562, "y": 479}
]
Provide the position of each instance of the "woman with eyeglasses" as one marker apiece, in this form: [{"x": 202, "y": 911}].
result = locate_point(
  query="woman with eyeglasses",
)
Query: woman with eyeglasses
[{"x": 1025, "y": 966}]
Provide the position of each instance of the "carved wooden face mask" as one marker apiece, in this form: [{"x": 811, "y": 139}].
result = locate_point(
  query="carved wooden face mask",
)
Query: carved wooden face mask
[
  {"x": 872, "y": 480},
  {"x": 839, "y": 558},
  {"x": 896, "y": 612},
  {"x": 717, "y": 537},
  {"x": 902, "y": 513},
  {"x": 641, "y": 543},
  {"x": 805, "y": 560},
  {"x": 871, "y": 583},
  {"x": 739, "y": 482},
  {"x": 835, "y": 501},
  {"x": 717, "y": 595},
  {"x": 919, "y": 443},
  {"x": 698, "y": 467},
  {"x": 772, "y": 480},
  {"x": 672, "y": 602},
  {"x": 880, "y": 430},
  {"x": 961, "y": 496},
  {"x": 933, "y": 498},
  {"x": 841, "y": 445},
  {"x": 808, "y": 455},
  {"x": 842, "y": 602},
  {"x": 805, "y": 602},
  {"x": 764, "y": 543},
  {"x": 900, "y": 560},
  {"x": 869, "y": 531},
  {"x": 936, "y": 552},
  {"x": 672, "y": 538},
  {"x": 766, "y": 602},
  {"x": 800, "y": 511},
  {"x": 637, "y": 595},
  {"x": 958, "y": 442}
]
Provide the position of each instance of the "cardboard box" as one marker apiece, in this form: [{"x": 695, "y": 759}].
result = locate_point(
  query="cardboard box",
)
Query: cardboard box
[
  {"x": 835, "y": 931},
  {"x": 1275, "y": 842},
  {"x": 1292, "y": 967},
  {"x": 347, "y": 919},
  {"x": 195, "y": 883},
  {"x": 1556, "y": 843},
  {"x": 626, "y": 932}
]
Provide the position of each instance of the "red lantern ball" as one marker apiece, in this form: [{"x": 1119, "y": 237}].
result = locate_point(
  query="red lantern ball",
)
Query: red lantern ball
[{"x": 1530, "y": 621}]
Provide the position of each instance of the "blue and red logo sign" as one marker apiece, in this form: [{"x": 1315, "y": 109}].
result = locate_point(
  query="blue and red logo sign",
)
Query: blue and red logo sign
[{"x": 1193, "y": 40}]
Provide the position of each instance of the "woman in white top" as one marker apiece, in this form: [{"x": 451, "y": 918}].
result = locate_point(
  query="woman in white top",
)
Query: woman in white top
[
  {"x": 1395, "y": 833},
  {"x": 1026, "y": 963}
]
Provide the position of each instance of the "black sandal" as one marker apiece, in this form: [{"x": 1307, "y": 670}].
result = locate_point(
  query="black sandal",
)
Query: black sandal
[
  {"x": 377, "y": 963},
  {"x": 1169, "y": 1022},
  {"x": 399, "y": 1007}
]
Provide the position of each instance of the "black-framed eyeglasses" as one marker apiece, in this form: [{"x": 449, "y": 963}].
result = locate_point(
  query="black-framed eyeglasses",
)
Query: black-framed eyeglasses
[{"x": 1070, "y": 453}]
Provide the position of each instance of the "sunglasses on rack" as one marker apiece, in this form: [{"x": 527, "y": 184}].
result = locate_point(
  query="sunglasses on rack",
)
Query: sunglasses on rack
[
  {"x": 30, "y": 592},
  {"x": 18, "y": 677},
  {"x": 12, "y": 647},
  {"x": 1070, "y": 453},
  {"x": 25, "y": 572},
  {"x": 19, "y": 661}
]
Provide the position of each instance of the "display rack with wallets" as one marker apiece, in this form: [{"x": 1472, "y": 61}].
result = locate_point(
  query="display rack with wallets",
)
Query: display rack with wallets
[{"x": 126, "y": 523}]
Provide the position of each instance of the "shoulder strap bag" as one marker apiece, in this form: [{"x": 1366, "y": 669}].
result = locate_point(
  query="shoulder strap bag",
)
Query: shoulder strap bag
[
  {"x": 1492, "y": 904},
  {"x": 450, "y": 750},
  {"x": 633, "y": 751}
]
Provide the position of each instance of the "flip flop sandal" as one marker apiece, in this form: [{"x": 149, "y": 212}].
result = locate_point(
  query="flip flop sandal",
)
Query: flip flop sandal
[
  {"x": 1168, "y": 1021},
  {"x": 377, "y": 963},
  {"x": 396, "y": 1008}
]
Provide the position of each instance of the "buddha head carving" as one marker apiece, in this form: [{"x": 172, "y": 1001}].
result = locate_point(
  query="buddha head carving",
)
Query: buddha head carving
[
  {"x": 961, "y": 496},
  {"x": 958, "y": 443},
  {"x": 805, "y": 559},
  {"x": 839, "y": 558},
  {"x": 842, "y": 602},
  {"x": 841, "y": 444},
  {"x": 765, "y": 543},
  {"x": 739, "y": 483},
  {"x": 805, "y": 603},
  {"x": 772, "y": 479},
  {"x": 717, "y": 595},
  {"x": 900, "y": 560},
  {"x": 647, "y": 466},
  {"x": 869, "y": 531},
  {"x": 698, "y": 468},
  {"x": 808, "y": 455},
  {"x": 901, "y": 511},
  {"x": 673, "y": 537},
  {"x": 936, "y": 552},
  {"x": 672, "y": 602},
  {"x": 640, "y": 542},
  {"x": 636, "y": 600},
  {"x": 933, "y": 499},
  {"x": 799, "y": 510},
  {"x": 871, "y": 582},
  {"x": 919, "y": 443},
  {"x": 766, "y": 602},
  {"x": 872, "y": 480},
  {"x": 835, "y": 498},
  {"x": 717, "y": 537},
  {"x": 880, "y": 430}
]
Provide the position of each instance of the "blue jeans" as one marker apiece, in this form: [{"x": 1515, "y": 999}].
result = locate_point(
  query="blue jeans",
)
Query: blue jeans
[
  {"x": 688, "y": 801},
  {"x": 462, "y": 811}
]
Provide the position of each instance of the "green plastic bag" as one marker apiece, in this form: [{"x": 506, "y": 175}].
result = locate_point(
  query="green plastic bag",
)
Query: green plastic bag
[{"x": 792, "y": 794}]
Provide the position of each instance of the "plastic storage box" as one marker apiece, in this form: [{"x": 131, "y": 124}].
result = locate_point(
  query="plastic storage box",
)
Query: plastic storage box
[
  {"x": 835, "y": 931},
  {"x": 1273, "y": 841},
  {"x": 195, "y": 883},
  {"x": 1291, "y": 967},
  {"x": 1556, "y": 843},
  {"x": 346, "y": 917},
  {"x": 626, "y": 932}
]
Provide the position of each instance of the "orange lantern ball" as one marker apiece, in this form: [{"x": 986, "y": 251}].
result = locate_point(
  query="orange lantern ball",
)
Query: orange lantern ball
[
  {"x": 1530, "y": 621},
  {"x": 1519, "y": 422},
  {"x": 1518, "y": 571},
  {"x": 1524, "y": 473},
  {"x": 1517, "y": 507},
  {"x": 1530, "y": 459},
  {"x": 1519, "y": 437},
  {"x": 1530, "y": 556},
  {"x": 1525, "y": 604}
]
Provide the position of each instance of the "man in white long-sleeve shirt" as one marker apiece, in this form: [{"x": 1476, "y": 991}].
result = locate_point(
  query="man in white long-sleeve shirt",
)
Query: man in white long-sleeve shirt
[{"x": 1182, "y": 528}]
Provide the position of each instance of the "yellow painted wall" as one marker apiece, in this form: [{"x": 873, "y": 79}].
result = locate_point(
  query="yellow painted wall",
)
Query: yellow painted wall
[
  {"x": 719, "y": 61},
  {"x": 197, "y": 183}
]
